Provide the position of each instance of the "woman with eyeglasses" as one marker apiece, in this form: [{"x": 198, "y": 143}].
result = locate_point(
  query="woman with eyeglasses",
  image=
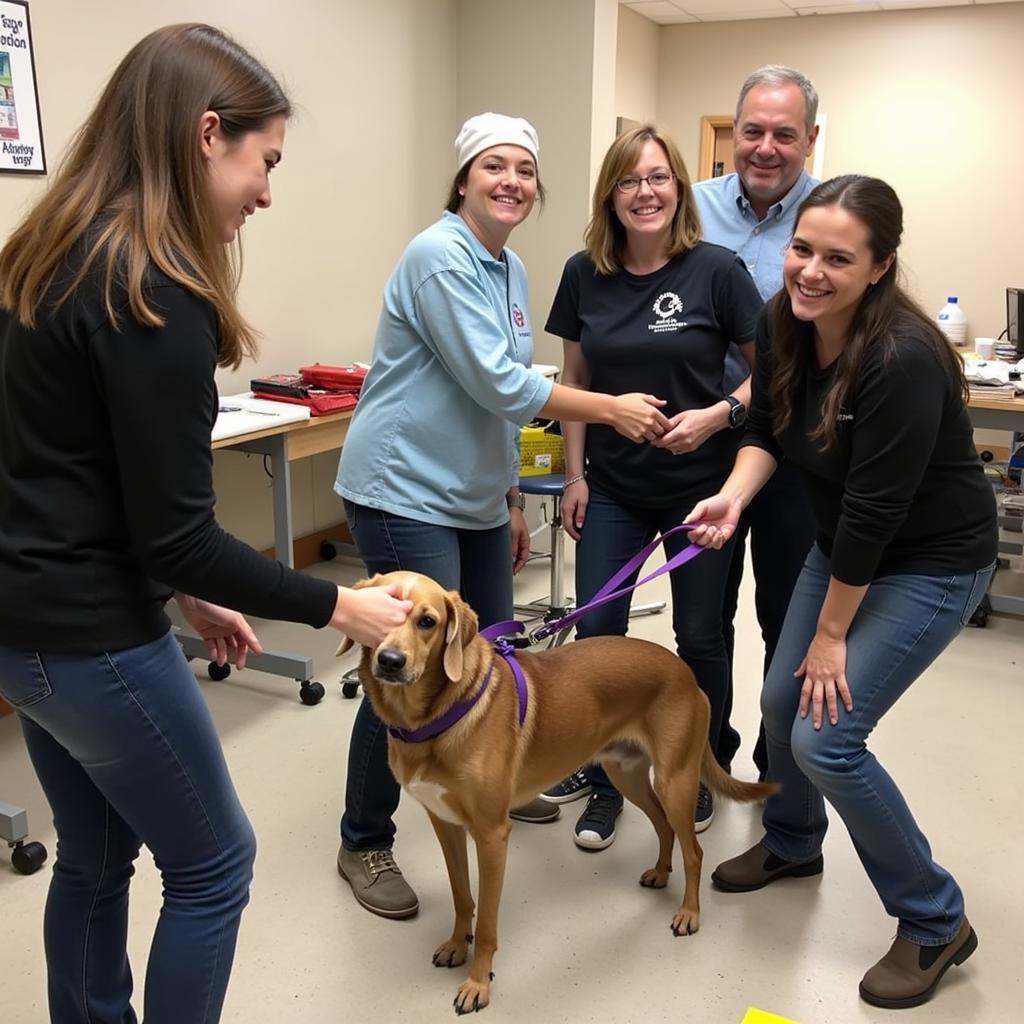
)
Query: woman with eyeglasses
[
  {"x": 430, "y": 468},
  {"x": 648, "y": 305}
]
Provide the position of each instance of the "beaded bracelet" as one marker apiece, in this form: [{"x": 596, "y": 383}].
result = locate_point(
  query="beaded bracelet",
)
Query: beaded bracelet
[{"x": 573, "y": 480}]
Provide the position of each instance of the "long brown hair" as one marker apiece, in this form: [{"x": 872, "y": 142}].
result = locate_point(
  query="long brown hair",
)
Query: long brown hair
[
  {"x": 884, "y": 310},
  {"x": 605, "y": 237},
  {"x": 134, "y": 187}
]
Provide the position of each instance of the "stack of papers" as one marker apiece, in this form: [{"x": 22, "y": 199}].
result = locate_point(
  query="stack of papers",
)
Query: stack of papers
[
  {"x": 991, "y": 377},
  {"x": 243, "y": 414}
]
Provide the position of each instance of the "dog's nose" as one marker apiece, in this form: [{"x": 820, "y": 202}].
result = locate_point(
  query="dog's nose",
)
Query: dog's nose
[{"x": 391, "y": 660}]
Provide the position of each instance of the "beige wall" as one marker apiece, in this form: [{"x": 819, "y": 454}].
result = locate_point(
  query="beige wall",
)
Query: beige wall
[
  {"x": 537, "y": 60},
  {"x": 636, "y": 67},
  {"x": 927, "y": 99},
  {"x": 365, "y": 166}
]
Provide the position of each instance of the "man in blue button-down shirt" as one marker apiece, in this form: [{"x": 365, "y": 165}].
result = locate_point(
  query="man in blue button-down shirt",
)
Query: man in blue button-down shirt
[{"x": 752, "y": 212}]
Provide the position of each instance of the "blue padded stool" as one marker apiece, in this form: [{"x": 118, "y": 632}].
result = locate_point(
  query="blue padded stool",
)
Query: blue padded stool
[{"x": 549, "y": 487}]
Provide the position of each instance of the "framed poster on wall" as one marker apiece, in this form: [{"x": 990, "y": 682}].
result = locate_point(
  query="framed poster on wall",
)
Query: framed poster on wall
[{"x": 21, "y": 127}]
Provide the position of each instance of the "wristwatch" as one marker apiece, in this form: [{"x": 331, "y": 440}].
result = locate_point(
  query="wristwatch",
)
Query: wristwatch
[
  {"x": 516, "y": 500},
  {"x": 737, "y": 412}
]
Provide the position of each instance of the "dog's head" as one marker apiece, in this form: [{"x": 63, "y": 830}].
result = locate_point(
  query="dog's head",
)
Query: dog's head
[{"x": 434, "y": 636}]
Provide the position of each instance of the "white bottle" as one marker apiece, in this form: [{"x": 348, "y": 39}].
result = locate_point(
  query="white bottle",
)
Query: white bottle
[{"x": 952, "y": 322}]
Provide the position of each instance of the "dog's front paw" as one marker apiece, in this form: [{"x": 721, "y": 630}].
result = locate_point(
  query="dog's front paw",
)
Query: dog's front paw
[
  {"x": 654, "y": 878},
  {"x": 452, "y": 953},
  {"x": 472, "y": 996},
  {"x": 685, "y": 922}
]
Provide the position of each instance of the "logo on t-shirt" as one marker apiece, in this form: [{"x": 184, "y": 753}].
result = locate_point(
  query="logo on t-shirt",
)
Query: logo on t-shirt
[
  {"x": 518, "y": 317},
  {"x": 665, "y": 308}
]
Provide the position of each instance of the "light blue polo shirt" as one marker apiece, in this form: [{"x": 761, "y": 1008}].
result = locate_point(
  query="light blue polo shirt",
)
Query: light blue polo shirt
[
  {"x": 728, "y": 219},
  {"x": 435, "y": 436}
]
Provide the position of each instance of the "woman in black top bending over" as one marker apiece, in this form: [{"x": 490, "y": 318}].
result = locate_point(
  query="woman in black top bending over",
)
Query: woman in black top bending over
[
  {"x": 854, "y": 383},
  {"x": 117, "y": 303}
]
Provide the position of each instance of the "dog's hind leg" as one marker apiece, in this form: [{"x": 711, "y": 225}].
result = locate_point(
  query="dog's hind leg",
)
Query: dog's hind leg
[
  {"x": 452, "y": 838},
  {"x": 632, "y": 779},
  {"x": 676, "y": 788}
]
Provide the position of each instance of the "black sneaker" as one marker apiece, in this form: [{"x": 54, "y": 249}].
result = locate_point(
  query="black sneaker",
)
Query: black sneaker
[
  {"x": 572, "y": 787},
  {"x": 705, "y": 809},
  {"x": 595, "y": 828}
]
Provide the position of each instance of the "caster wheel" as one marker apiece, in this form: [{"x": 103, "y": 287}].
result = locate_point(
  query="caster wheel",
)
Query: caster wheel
[
  {"x": 29, "y": 858},
  {"x": 218, "y": 672},
  {"x": 349, "y": 690},
  {"x": 311, "y": 693},
  {"x": 328, "y": 552},
  {"x": 981, "y": 613}
]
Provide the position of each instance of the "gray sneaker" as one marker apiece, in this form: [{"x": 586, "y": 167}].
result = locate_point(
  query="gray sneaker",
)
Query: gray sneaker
[{"x": 377, "y": 882}]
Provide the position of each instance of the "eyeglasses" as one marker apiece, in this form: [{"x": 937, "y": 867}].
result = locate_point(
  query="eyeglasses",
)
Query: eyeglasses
[{"x": 657, "y": 180}]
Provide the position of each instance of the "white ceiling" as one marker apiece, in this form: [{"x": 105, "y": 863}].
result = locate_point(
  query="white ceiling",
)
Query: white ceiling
[{"x": 679, "y": 12}]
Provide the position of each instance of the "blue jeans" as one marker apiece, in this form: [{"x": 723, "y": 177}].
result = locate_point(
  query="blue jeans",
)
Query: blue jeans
[
  {"x": 612, "y": 534},
  {"x": 127, "y": 754},
  {"x": 901, "y": 627},
  {"x": 781, "y": 527},
  {"x": 477, "y": 563}
]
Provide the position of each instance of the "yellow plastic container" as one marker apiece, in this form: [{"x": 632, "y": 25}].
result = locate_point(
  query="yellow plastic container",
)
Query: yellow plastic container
[{"x": 540, "y": 452}]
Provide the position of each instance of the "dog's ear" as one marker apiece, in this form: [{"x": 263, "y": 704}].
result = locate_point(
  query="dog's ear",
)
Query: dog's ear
[
  {"x": 452, "y": 637},
  {"x": 374, "y": 581},
  {"x": 347, "y": 643},
  {"x": 460, "y": 629}
]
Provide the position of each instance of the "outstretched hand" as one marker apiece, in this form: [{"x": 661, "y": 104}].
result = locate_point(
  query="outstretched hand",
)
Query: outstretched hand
[
  {"x": 227, "y": 635},
  {"x": 717, "y": 518},
  {"x": 639, "y": 417}
]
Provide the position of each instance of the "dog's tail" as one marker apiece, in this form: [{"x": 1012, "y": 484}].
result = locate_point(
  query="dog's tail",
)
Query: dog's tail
[{"x": 721, "y": 782}]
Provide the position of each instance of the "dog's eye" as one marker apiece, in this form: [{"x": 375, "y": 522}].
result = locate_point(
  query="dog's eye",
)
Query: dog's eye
[{"x": 426, "y": 622}]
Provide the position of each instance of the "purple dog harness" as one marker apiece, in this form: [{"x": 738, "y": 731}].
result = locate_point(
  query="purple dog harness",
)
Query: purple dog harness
[{"x": 504, "y": 636}]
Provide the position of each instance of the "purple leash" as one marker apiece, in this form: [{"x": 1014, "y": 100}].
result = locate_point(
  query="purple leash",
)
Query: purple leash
[
  {"x": 498, "y": 633},
  {"x": 501, "y": 633},
  {"x": 608, "y": 592}
]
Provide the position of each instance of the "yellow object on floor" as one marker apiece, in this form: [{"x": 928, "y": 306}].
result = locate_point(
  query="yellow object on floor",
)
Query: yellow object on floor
[{"x": 755, "y": 1016}]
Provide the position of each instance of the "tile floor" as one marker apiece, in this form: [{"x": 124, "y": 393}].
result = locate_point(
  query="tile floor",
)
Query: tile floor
[{"x": 580, "y": 940}]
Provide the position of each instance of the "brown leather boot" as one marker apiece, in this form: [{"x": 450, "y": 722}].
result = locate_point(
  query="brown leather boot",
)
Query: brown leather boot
[
  {"x": 758, "y": 867},
  {"x": 908, "y": 974}
]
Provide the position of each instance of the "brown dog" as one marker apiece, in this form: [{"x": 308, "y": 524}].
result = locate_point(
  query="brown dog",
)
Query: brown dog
[{"x": 629, "y": 704}]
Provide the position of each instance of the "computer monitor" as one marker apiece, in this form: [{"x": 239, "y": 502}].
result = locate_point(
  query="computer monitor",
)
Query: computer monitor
[{"x": 1015, "y": 318}]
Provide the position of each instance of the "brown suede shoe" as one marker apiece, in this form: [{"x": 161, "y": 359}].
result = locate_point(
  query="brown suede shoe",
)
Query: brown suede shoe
[
  {"x": 759, "y": 867},
  {"x": 377, "y": 882},
  {"x": 908, "y": 974}
]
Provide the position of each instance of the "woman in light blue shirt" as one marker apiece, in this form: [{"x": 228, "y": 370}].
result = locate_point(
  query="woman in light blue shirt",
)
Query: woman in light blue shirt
[{"x": 430, "y": 467}]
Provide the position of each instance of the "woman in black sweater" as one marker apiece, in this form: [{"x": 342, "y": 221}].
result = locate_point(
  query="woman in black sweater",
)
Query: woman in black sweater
[
  {"x": 117, "y": 303},
  {"x": 854, "y": 383}
]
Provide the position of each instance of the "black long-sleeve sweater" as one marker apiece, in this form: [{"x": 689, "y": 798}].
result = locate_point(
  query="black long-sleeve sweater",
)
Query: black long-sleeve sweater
[
  {"x": 106, "y": 495},
  {"x": 903, "y": 490}
]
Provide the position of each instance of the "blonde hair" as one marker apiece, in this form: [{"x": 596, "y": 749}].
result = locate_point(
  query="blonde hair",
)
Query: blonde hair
[
  {"x": 605, "y": 237},
  {"x": 133, "y": 187}
]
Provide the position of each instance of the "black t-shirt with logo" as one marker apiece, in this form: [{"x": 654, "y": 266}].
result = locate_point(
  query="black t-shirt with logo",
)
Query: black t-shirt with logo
[{"x": 667, "y": 334}]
